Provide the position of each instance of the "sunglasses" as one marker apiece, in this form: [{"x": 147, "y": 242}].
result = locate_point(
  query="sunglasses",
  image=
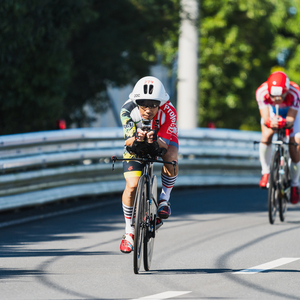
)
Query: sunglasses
[
  {"x": 278, "y": 98},
  {"x": 144, "y": 106}
]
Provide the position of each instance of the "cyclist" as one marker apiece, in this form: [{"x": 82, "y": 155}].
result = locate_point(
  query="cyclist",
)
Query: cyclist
[
  {"x": 278, "y": 89},
  {"x": 148, "y": 101}
]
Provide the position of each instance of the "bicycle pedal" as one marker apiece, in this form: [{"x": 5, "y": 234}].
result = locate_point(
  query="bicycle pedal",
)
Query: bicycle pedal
[
  {"x": 157, "y": 226},
  {"x": 265, "y": 187}
]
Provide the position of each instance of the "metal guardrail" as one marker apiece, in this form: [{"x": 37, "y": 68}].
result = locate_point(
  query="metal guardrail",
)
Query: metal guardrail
[{"x": 41, "y": 167}]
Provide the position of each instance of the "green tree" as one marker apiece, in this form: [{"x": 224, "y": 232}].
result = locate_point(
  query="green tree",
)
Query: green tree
[
  {"x": 116, "y": 48},
  {"x": 56, "y": 56},
  {"x": 288, "y": 40},
  {"x": 35, "y": 64},
  {"x": 240, "y": 41}
]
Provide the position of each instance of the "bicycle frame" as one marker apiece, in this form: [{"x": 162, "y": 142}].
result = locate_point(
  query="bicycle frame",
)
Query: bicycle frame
[
  {"x": 280, "y": 147},
  {"x": 144, "y": 212},
  {"x": 279, "y": 181},
  {"x": 148, "y": 173}
]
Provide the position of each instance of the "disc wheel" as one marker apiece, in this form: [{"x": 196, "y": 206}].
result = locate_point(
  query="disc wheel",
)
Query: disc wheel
[
  {"x": 273, "y": 194},
  {"x": 150, "y": 230},
  {"x": 139, "y": 225}
]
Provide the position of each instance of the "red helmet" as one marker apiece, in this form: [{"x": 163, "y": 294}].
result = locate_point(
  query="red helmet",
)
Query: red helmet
[{"x": 278, "y": 84}]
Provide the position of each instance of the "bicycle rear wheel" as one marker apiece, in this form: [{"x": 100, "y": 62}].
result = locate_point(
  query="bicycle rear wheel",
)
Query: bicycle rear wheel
[
  {"x": 282, "y": 208},
  {"x": 150, "y": 230},
  {"x": 140, "y": 201},
  {"x": 287, "y": 186},
  {"x": 273, "y": 193}
]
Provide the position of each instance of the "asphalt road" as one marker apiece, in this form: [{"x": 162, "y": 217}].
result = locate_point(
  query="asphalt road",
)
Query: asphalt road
[{"x": 218, "y": 244}]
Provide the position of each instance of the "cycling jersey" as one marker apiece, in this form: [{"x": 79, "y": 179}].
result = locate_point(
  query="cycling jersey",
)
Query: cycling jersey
[
  {"x": 167, "y": 116},
  {"x": 291, "y": 100}
]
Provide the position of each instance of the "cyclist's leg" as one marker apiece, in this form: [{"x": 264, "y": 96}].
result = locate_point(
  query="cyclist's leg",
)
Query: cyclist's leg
[
  {"x": 132, "y": 173},
  {"x": 295, "y": 161},
  {"x": 129, "y": 191},
  {"x": 295, "y": 150},
  {"x": 265, "y": 154},
  {"x": 168, "y": 177}
]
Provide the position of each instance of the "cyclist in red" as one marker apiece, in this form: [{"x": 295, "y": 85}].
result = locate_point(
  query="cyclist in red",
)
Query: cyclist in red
[
  {"x": 148, "y": 101},
  {"x": 278, "y": 89}
]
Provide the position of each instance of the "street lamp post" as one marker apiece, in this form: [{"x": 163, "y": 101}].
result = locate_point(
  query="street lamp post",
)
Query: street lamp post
[{"x": 187, "y": 88}]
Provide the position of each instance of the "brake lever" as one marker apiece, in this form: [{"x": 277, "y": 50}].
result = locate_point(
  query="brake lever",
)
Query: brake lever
[
  {"x": 114, "y": 159},
  {"x": 174, "y": 163},
  {"x": 254, "y": 144}
]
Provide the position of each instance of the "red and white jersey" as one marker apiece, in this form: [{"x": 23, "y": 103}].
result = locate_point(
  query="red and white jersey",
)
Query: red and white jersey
[
  {"x": 291, "y": 100},
  {"x": 166, "y": 115}
]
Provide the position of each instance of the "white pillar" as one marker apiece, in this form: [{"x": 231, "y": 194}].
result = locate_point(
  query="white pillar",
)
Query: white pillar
[{"x": 187, "y": 88}]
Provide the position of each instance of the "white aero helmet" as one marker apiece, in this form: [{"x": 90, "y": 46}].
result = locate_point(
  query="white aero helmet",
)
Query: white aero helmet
[{"x": 149, "y": 88}]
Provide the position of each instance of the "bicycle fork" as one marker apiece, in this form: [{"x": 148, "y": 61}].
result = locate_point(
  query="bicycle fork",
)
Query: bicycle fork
[
  {"x": 282, "y": 185},
  {"x": 150, "y": 221}
]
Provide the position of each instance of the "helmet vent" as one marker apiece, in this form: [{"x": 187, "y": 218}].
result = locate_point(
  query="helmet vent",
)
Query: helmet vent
[
  {"x": 151, "y": 87},
  {"x": 145, "y": 88}
]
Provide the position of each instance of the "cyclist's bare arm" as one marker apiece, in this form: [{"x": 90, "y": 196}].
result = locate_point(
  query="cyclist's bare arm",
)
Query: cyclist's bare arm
[
  {"x": 290, "y": 118},
  {"x": 265, "y": 113},
  {"x": 141, "y": 137}
]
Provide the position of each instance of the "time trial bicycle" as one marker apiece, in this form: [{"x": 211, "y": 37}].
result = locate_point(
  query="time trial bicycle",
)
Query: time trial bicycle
[
  {"x": 279, "y": 179},
  {"x": 279, "y": 190},
  {"x": 145, "y": 211}
]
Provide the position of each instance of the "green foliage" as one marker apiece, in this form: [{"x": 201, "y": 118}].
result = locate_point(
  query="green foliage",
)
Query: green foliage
[
  {"x": 35, "y": 65},
  {"x": 240, "y": 41},
  {"x": 116, "y": 48},
  {"x": 56, "y": 56}
]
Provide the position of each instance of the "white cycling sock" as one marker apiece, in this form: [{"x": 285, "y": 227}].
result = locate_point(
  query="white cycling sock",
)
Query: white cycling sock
[
  {"x": 265, "y": 155},
  {"x": 295, "y": 173},
  {"x": 167, "y": 186},
  {"x": 128, "y": 215}
]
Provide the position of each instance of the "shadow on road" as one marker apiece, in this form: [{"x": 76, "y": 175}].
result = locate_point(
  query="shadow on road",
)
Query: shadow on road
[
  {"x": 219, "y": 200},
  {"x": 211, "y": 200}
]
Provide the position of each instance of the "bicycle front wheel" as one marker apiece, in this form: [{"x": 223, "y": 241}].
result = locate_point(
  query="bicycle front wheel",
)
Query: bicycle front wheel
[
  {"x": 273, "y": 194},
  {"x": 282, "y": 208},
  {"x": 139, "y": 224},
  {"x": 150, "y": 230}
]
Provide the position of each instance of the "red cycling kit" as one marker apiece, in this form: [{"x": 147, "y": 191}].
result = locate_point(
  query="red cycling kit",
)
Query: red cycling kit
[
  {"x": 291, "y": 101},
  {"x": 131, "y": 120}
]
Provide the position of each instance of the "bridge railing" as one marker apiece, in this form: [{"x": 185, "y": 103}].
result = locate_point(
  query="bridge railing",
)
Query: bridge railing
[{"x": 47, "y": 166}]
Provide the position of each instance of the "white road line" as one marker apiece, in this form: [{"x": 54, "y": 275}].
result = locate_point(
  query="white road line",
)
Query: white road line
[
  {"x": 164, "y": 295},
  {"x": 268, "y": 266}
]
